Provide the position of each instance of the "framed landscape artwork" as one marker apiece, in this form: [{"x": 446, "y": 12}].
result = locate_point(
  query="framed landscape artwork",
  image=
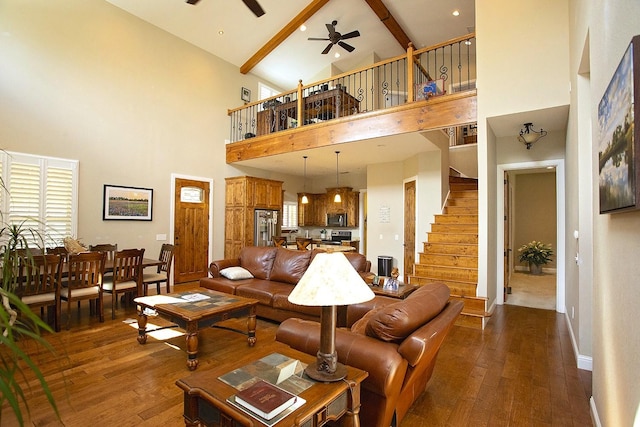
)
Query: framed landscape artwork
[
  {"x": 127, "y": 203},
  {"x": 619, "y": 138}
]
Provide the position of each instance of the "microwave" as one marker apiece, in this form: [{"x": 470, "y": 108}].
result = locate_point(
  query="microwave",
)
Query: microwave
[{"x": 337, "y": 220}]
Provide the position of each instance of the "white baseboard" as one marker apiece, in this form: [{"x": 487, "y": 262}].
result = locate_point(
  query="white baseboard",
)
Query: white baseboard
[
  {"x": 582, "y": 361},
  {"x": 594, "y": 413}
]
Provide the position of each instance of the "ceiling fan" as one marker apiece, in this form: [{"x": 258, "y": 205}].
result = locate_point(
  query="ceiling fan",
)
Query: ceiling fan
[
  {"x": 253, "y": 5},
  {"x": 336, "y": 38}
]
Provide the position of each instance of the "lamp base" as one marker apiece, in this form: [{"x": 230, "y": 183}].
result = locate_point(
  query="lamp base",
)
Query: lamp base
[{"x": 320, "y": 372}]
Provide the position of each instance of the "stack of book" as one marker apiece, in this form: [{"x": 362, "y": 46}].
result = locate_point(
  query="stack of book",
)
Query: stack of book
[{"x": 265, "y": 399}]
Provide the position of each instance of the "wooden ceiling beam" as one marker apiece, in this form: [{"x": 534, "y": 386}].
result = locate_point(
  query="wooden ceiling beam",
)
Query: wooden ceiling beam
[
  {"x": 282, "y": 35},
  {"x": 390, "y": 22}
]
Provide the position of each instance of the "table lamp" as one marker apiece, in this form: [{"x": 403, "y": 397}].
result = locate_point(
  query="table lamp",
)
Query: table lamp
[{"x": 329, "y": 281}]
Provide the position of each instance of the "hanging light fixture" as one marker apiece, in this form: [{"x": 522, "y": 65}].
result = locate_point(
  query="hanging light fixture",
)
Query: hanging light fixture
[
  {"x": 305, "y": 199},
  {"x": 337, "y": 198},
  {"x": 528, "y": 136}
]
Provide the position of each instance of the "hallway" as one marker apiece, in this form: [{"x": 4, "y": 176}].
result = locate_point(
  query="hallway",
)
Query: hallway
[{"x": 534, "y": 291}]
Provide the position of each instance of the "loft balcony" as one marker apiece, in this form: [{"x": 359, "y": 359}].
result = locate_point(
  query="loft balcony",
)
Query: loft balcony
[{"x": 426, "y": 89}]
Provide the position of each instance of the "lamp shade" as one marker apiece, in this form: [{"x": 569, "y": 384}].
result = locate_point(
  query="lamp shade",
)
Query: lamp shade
[{"x": 330, "y": 280}]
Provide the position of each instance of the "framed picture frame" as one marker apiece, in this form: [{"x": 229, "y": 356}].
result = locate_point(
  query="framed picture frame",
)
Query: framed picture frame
[
  {"x": 619, "y": 136},
  {"x": 245, "y": 94},
  {"x": 127, "y": 203}
]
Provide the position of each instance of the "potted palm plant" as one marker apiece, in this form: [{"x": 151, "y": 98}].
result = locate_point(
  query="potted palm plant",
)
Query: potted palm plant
[
  {"x": 17, "y": 325},
  {"x": 536, "y": 254}
]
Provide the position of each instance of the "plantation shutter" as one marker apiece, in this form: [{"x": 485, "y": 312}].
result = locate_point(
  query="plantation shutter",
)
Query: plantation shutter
[{"x": 41, "y": 197}]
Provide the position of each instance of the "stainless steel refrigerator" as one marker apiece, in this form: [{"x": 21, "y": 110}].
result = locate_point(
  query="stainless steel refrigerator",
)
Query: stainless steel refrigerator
[{"x": 266, "y": 226}]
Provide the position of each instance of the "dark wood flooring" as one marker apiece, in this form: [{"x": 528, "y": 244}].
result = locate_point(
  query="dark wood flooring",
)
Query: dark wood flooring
[{"x": 519, "y": 371}]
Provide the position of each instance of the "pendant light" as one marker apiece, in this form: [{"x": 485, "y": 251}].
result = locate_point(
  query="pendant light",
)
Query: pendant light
[
  {"x": 337, "y": 198},
  {"x": 305, "y": 199}
]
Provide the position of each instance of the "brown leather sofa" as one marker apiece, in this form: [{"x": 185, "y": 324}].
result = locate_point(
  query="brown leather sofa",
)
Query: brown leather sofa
[
  {"x": 396, "y": 341},
  {"x": 275, "y": 272}
]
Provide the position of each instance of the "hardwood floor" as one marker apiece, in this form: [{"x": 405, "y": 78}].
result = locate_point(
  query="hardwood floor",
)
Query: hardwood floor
[{"x": 519, "y": 371}]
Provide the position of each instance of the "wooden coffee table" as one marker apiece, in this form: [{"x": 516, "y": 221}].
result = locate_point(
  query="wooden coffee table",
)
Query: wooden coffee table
[
  {"x": 195, "y": 309},
  {"x": 206, "y": 395}
]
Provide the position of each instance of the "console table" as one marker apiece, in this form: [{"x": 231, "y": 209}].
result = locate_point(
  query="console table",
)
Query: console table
[
  {"x": 205, "y": 396},
  {"x": 320, "y": 106}
]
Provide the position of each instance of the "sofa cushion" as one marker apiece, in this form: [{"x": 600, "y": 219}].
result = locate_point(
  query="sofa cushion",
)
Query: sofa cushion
[
  {"x": 258, "y": 260},
  {"x": 289, "y": 265},
  {"x": 221, "y": 284},
  {"x": 360, "y": 326},
  {"x": 236, "y": 273},
  {"x": 358, "y": 261},
  {"x": 281, "y": 302},
  {"x": 262, "y": 290},
  {"x": 397, "y": 321}
]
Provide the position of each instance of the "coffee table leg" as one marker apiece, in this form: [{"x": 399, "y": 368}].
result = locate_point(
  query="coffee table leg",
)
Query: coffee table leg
[
  {"x": 251, "y": 328},
  {"x": 142, "y": 326},
  {"x": 192, "y": 346}
]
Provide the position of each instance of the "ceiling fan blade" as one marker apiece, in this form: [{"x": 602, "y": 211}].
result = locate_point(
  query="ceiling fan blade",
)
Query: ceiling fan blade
[
  {"x": 192, "y": 1},
  {"x": 347, "y": 47},
  {"x": 327, "y": 49},
  {"x": 316, "y": 38},
  {"x": 253, "y": 5},
  {"x": 350, "y": 35}
]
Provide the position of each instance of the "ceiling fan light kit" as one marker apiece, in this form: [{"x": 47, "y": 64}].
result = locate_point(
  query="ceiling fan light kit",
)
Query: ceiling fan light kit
[{"x": 336, "y": 38}]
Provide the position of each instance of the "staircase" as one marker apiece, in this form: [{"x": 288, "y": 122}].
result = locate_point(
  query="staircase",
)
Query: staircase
[{"x": 451, "y": 252}]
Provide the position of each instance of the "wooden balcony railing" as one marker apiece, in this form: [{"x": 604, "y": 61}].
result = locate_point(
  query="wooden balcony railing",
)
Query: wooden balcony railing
[{"x": 438, "y": 70}]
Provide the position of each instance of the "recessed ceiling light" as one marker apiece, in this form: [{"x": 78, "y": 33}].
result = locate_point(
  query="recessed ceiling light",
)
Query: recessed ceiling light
[
  {"x": 220, "y": 32},
  {"x": 456, "y": 13},
  {"x": 337, "y": 55},
  {"x": 303, "y": 27}
]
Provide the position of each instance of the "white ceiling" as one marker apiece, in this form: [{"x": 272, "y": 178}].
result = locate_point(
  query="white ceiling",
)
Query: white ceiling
[{"x": 426, "y": 22}]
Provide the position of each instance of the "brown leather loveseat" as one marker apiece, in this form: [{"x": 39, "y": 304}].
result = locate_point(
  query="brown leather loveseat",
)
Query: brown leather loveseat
[
  {"x": 274, "y": 273},
  {"x": 396, "y": 341}
]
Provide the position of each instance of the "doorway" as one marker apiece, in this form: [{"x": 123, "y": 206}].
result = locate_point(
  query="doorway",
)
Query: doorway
[
  {"x": 558, "y": 166},
  {"x": 191, "y": 225}
]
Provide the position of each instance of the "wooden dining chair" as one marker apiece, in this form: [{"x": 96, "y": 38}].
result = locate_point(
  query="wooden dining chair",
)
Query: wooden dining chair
[
  {"x": 84, "y": 281},
  {"x": 109, "y": 248},
  {"x": 163, "y": 273},
  {"x": 303, "y": 243},
  {"x": 126, "y": 277},
  {"x": 39, "y": 281},
  {"x": 279, "y": 241}
]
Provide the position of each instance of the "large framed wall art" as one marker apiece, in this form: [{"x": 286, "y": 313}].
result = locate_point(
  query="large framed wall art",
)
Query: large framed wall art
[
  {"x": 128, "y": 203},
  {"x": 619, "y": 137}
]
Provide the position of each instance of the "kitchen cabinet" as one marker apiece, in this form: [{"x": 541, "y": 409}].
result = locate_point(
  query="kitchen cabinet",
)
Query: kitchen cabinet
[
  {"x": 349, "y": 204},
  {"x": 314, "y": 213},
  {"x": 243, "y": 195}
]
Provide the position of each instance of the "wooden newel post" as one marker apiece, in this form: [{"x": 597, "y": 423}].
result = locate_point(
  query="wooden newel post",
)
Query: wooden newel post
[
  {"x": 411, "y": 87},
  {"x": 300, "y": 105}
]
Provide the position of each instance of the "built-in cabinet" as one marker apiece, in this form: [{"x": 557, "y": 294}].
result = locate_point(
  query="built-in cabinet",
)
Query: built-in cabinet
[
  {"x": 243, "y": 195},
  {"x": 314, "y": 213}
]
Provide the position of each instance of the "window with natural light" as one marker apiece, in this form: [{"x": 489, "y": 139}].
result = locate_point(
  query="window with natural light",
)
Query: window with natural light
[
  {"x": 289, "y": 215},
  {"x": 40, "y": 194}
]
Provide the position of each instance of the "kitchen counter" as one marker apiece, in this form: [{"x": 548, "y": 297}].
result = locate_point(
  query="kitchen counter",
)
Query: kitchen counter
[{"x": 328, "y": 248}]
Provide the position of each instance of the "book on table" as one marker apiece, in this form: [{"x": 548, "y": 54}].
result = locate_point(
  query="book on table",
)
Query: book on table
[{"x": 265, "y": 399}]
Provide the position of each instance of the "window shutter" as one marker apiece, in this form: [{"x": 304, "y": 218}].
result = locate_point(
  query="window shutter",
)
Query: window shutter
[
  {"x": 58, "y": 203},
  {"x": 24, "y": 196}
]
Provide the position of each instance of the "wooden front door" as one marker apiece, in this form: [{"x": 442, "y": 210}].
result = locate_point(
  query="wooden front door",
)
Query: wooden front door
[
  {"x": 191, "y": 229},
  {"x": 409, "y": 228}
]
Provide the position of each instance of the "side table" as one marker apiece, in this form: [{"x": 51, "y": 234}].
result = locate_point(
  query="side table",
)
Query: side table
[{"x": 205, "y": 396}]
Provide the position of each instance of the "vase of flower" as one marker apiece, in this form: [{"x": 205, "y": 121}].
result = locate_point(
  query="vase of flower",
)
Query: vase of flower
[{"x": 536, "y": 254}]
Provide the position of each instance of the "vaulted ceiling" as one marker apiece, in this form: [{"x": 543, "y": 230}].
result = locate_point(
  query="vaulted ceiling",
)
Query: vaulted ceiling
[{"x": 274, "y": 48}]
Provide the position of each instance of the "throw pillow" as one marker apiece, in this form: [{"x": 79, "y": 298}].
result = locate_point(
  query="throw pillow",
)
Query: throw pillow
[
  {"x": 236, "y": 273},
  {"x": 395, "y": 322}
]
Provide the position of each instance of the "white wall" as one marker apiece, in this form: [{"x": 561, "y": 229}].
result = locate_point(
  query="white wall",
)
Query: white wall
[
  {"x": 604, "y": 30},
  {"x": 85, "y": 80}
]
